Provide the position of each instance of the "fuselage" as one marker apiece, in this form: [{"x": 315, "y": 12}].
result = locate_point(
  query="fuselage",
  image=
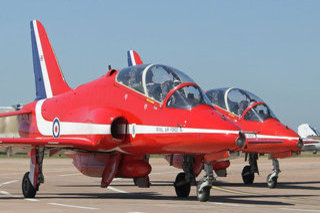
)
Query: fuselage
[
  {"x": 264, "y": 132},
  {"x": 147, "y": 126}
]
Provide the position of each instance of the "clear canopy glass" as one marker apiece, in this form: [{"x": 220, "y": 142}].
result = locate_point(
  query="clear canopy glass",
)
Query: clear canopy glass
[
  {"x": 237, "y": 101},
  {"x": 152, "y": 80},
  {"x": 187, "y": 97}
]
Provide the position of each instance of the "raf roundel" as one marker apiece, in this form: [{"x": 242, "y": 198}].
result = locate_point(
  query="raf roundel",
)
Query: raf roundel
[{"x": 56, "y": 128}]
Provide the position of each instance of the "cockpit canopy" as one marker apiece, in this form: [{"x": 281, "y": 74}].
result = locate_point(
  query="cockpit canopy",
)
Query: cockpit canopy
[
  {"x": 241, "y": 103},
  {"x": 156, "y": 81}
]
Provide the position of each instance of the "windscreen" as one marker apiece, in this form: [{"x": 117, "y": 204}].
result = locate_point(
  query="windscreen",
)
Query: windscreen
[
  {"x": 132, "y": 77},
  {"x": 161, "y": 79},
  {"x": 187, "y": 97},
  {"x": 259, "y": 112},
  {"x": 216, "y": 96},
  {"x": 239, "y": 100}
]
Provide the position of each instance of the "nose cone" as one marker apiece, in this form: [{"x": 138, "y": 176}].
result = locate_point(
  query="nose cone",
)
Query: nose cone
[
  {"x": 219, "y": 132},
  {"x": 274, "y": 137}
]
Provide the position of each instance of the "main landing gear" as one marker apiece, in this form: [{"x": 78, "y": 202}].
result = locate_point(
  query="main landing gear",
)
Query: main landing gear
[
  {"x": 186, "y": 179},
  {"x": 32, "y": 180},
  {"x": 249, "y": 170},
  {"x": 272, "y": 179}
]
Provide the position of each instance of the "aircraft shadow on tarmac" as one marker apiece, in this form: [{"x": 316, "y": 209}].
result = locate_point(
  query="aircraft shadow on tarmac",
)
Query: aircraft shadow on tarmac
[
  {"x": 232, "y": 199},
  {"x": 280, "y": 185},
  {"x": 122, "y": 184},
  {"x": 250, "y": 199}
]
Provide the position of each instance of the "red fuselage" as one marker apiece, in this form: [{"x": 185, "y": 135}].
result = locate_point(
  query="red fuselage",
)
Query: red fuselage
[
  {"x": 90, "y": 111},
  {"x": 264, "y": 132}
]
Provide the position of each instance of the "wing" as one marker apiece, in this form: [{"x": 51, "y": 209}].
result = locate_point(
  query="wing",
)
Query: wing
[
  {"x": 20, "y": 112},
  {"x": 49, "y": 142}
]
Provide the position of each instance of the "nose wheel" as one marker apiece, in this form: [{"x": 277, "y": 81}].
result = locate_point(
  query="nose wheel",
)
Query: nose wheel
[
  {"x": 205, "y": 184},
  {"x": 203, "y": 191},
  {"x": 272, "y": 179}
]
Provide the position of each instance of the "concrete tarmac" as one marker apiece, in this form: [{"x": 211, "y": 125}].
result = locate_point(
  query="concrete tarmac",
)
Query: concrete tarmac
[{"x": 66, "y": 190}]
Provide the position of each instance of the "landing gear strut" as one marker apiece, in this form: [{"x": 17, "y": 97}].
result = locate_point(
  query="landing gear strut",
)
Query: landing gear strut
[
  {"x": 184, "y": 180},
  {"x": 248, "y": 171},
  {"x": 32, "y": 180},
  {"x": 272, "y": 178},
  {"x": 205, "y": 184}
]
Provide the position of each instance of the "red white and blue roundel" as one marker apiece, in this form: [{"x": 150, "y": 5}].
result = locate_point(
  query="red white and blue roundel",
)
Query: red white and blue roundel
[{"x": 56, "y": 128}]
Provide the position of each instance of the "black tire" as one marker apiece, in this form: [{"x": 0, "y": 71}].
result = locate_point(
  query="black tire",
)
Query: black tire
[
  {"x": 181, "y": 186},
  {"x": 27, "y": 188},
  {"x": 247, "y": 175},
  {"x": 272, "y": 183},
  {"x": 204, "y": 194}
]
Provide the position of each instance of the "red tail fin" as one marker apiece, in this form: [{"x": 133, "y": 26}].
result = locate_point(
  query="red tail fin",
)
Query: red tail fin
[{"x": 48, "y": 76}]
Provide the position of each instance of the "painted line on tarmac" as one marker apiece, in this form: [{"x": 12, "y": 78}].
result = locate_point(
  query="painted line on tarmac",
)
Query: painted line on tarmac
[
  {"x": 8, "y": 194},
  {"x": 8, "y": 182},
  {"x": 300, "y": 210},
  {"x": 31, "y": 199},
  {"x": 232, "y": 191},
  {"x": 5, "y": 193},
  {"x": 116, "y": 179},
  {"x": 116, "y": 190},
  {"x": 73, "y": 174},
  {"x": 73, "y": 206},
  {"x": 227, "y": 204},
  {"x": 162, "y": 173}
]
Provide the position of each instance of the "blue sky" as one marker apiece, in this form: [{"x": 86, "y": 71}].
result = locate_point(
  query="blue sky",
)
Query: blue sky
[{"x": 271, "y": 48}]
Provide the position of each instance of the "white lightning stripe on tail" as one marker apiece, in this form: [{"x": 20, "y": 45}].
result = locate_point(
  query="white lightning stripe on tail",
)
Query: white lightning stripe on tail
[
  {"x": 69, "y": 128},
  {"x": 133, "y": 60},
  {"x": 42, "y": 60}
]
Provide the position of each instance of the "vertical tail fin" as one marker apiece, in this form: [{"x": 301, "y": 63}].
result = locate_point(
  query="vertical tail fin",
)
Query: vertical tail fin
[
  {"x": 48, "y": 77},
  {"x": 133, "y": 58}
]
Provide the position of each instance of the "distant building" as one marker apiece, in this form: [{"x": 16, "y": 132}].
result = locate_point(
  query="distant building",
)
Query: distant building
[{"x": 8, "y": 125}]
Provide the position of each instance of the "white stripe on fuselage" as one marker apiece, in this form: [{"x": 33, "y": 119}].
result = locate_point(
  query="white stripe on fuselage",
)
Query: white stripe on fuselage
[
  {"x": 75, "y": 128},
  {"x": 69, "y": 128},
  {"x": 42, "y": 60},
  {"x": 257, "y": 136}
]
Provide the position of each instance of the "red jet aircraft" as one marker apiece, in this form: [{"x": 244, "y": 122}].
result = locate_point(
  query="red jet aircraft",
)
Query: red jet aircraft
[
  {"x": 110, "y": 124},
  {"x": 264, "y": 132}
]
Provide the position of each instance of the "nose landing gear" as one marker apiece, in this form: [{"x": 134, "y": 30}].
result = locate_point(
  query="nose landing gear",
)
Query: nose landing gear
[
  {"x": 205, "y": 184},
  {"x": 272, "y": 179}
]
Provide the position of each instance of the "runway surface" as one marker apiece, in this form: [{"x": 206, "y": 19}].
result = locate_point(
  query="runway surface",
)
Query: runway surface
[{"x": 65, "y": 189}]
